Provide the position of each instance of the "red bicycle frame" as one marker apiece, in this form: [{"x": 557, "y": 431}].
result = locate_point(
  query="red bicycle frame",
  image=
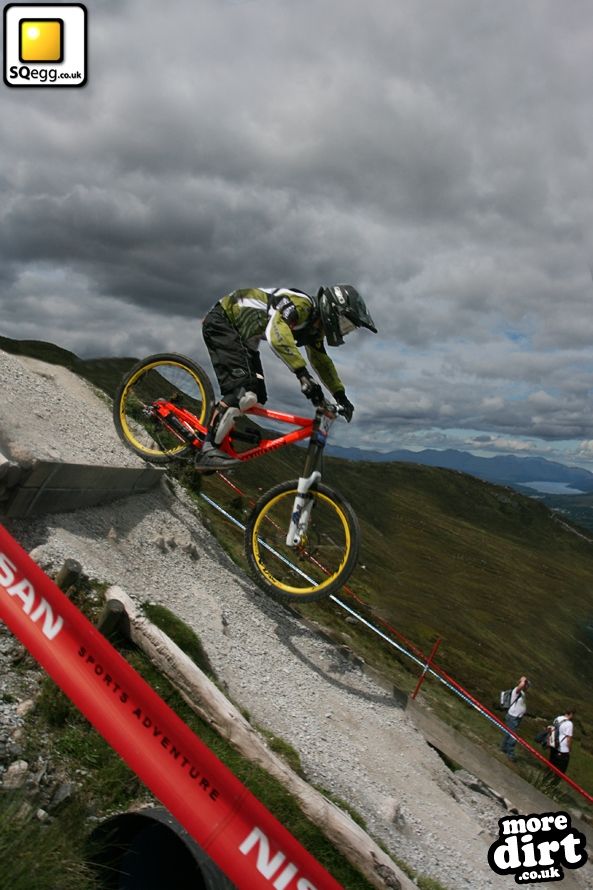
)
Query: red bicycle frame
[
  {"x": 305, "y": 428},
  {"x": 186, "y": 425}
]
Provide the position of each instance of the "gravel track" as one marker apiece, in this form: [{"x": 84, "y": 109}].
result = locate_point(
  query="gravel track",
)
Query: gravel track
[{"x": 352, "y": 737}]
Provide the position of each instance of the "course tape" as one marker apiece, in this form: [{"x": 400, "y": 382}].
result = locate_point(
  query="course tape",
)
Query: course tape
[{"x": 227, "y": 820}]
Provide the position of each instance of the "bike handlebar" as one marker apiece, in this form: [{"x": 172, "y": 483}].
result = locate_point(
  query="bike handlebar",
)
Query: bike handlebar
[{"x": 331, "y": 408}]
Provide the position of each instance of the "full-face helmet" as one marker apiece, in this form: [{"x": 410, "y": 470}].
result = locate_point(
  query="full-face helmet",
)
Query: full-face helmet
[{"x": 342, "y": 310}]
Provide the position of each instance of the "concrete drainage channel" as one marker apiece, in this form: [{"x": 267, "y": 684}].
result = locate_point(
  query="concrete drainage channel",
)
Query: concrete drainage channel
[
  {"x": 41, "y": 486},
  {"x": 149, "y": 850}
]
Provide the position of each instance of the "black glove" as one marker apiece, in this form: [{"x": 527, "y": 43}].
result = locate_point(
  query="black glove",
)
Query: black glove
[
  {"x": 345, "y": 404},
  {"x": 309, "y": 388}
]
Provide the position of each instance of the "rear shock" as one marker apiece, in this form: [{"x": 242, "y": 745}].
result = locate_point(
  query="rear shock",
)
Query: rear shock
[{"x": 189, "y": 435}]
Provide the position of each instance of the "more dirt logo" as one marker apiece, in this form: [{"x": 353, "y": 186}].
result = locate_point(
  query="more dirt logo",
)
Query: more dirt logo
[{"x": 536, "y": 848}]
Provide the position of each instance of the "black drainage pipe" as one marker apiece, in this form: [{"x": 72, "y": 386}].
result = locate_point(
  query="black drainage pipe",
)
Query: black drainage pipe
[{"x": 149, "y": 850}]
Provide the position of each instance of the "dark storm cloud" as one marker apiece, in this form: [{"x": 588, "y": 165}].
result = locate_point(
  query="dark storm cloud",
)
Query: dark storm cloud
[{"x": 436, "y": 154}]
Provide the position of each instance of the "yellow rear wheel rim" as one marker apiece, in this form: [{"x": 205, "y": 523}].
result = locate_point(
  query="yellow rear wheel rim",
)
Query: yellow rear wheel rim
[{"x": 127, "y": 429}]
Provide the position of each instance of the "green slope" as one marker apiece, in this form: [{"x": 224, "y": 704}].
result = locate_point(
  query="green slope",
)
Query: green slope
[{"x": 489, "y": 570}]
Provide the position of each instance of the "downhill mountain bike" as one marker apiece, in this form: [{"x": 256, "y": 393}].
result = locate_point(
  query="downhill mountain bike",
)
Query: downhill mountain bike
[{"x": 302, "y": 538}]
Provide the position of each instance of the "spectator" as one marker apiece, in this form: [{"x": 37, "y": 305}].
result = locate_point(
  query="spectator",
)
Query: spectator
[
  {"x": 560, "y": 740},
  {"x": 514, "y": 715}
]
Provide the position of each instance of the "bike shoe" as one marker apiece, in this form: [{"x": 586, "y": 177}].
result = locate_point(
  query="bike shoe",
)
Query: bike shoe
[{"x": 215, "y": 459}]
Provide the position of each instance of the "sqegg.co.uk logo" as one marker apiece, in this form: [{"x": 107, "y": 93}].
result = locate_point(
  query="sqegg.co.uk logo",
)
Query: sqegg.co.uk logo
[{"x": 45, "y": 45}]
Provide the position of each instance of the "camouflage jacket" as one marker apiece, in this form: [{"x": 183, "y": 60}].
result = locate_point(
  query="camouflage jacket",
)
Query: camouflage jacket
[{"x": 287, "y": 319}]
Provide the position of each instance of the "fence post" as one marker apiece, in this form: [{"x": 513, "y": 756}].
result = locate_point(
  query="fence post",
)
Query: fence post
[
  {"x": 68, "y": 575},
  {"x": 426, "y": 666}
]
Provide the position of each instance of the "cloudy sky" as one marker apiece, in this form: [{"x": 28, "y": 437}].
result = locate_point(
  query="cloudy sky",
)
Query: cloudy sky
[{"x": 435, "y": 153}]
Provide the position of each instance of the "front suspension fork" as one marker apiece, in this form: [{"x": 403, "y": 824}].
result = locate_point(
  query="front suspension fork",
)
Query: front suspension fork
[
  {"x": 301, "y": 511},
  {"x": 303, "y": 502}
]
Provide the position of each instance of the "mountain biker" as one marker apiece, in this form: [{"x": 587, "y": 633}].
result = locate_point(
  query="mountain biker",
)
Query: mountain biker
[{"x": 287, "y": 318}]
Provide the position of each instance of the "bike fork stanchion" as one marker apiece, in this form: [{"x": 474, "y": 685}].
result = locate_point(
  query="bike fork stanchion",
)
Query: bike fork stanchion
[
  {"x": 300, "y": 515},
  {"x": 426, "y": 667}
]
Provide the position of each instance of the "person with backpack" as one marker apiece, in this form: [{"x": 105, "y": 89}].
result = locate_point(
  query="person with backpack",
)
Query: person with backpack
[
  {"x": 560, "y": 740},
  {"x": 514, "y": 715}
]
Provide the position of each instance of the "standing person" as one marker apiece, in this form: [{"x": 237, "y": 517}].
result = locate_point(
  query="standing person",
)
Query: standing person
[
  {"x": 287, "y": 318},
  {"x": 560, "y": 740},
  {"x": 514, "y": 715}
]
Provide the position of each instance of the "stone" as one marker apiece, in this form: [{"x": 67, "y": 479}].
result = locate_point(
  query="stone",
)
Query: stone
[
  {"x": 16, "y": 774},
  {"x": 62, "y": 793},
  {"x": 24, "y": 707},
  {"x": 192, "y": 551}
]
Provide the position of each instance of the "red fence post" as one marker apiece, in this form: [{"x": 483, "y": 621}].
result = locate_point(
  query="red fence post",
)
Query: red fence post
[{"x": 426, "y": 667}]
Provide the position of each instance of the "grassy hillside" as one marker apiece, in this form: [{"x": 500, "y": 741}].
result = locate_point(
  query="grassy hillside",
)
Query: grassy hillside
[
  {"x": 488, "y": 569},
  {"x": 507, "y": 586}
]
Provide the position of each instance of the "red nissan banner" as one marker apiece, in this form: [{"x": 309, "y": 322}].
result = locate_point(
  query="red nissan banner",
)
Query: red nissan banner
[{"x": 231, "y": 825}]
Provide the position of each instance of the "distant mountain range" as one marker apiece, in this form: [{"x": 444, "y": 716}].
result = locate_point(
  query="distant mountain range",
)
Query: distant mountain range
[{"x": 502, "y": 469}]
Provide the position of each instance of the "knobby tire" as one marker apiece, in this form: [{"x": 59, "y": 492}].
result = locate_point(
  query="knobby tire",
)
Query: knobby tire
[{"x": 324, "y": 562}]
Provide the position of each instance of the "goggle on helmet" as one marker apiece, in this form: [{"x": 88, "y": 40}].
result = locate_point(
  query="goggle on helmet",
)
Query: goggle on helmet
[{"x": 342, "y": 310}]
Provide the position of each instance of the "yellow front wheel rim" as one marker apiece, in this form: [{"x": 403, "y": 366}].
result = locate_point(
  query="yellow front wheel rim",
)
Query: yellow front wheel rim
[{"x": 322, "y": 558}]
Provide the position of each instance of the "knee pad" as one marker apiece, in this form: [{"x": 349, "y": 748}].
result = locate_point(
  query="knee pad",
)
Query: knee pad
[
  {"x": 240, "y": 398},
  {"x": 247, "y": 400}
]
